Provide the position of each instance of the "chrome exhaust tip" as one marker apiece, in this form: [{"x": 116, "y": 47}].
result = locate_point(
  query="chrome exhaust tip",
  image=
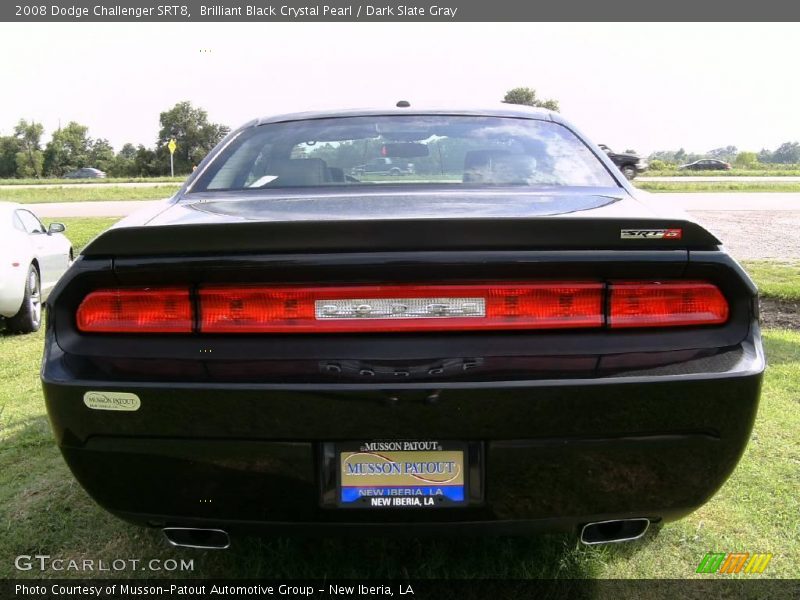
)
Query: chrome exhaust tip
[
  {"x": 611, "y": 532},
  {"x": 191, "y": 537}
]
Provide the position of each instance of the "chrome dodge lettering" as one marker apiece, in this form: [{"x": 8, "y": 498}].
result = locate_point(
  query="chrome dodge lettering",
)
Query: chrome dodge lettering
[{"x": 399, "y": 308}]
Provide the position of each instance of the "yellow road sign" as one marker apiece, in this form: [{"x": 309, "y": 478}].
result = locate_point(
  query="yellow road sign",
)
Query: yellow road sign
[{"x": 172, "y": 145}]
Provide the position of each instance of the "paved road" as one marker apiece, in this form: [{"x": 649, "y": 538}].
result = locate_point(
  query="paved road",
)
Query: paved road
[
  {"x": 726, "y": 178},
  {"x": 752, "y": 225}
]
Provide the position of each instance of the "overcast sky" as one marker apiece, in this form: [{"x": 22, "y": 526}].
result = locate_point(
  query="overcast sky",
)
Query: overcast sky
[{"x": 641, "y": 86}]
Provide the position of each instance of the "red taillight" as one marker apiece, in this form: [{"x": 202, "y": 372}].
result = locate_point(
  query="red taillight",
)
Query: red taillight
[
  {"x": 663, "y": 304},
  {"x": 300, "y": 309},
  {"x": 145, "y": 310},
  {"x": 387, "y": 308}
]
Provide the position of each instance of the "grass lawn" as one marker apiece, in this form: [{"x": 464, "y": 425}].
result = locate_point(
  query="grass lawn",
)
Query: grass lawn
[
  {"x": 716, "y": 186},
  {"x": 43, "y": 510},
  {"x": 86, "y": 194},
  {"x": 776, "y": 280},
  {"x": 81, "y": 230}
]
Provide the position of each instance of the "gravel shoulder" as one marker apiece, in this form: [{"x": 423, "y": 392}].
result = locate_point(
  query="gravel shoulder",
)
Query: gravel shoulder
[{"x": 754, "y": 234}]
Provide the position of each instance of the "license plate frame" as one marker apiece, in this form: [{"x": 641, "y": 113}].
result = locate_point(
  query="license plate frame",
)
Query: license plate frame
[{"x": 420, "y": 487}]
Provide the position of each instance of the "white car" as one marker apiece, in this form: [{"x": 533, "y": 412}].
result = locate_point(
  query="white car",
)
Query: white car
[{"x": 32, "y": 258}]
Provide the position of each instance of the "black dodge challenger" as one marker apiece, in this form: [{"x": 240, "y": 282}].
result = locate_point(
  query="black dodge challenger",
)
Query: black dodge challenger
[{"x": 509, "y": 339}]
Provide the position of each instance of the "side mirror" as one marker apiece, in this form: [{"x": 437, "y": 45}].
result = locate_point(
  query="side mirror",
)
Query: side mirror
[{"x": 56, "y": 228}]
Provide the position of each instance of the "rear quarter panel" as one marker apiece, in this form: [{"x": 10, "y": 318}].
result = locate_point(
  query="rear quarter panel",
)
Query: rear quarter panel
[{"x": 15, "y": 248}]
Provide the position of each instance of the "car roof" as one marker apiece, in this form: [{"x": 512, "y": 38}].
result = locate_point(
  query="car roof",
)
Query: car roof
[{"x": 500, "y": 110}]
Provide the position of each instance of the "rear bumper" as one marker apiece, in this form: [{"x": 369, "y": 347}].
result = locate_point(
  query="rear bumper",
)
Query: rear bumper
[{"x": 555, "y": 453}]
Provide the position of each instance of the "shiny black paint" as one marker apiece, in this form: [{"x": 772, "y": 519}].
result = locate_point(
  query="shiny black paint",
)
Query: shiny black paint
[
  {"x": 553, "y": 451},
  {"x": 395, "y": 220}
]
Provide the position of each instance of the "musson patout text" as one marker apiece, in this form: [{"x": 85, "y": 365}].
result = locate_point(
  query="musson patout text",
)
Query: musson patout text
[{"x": 99, "y": 591}]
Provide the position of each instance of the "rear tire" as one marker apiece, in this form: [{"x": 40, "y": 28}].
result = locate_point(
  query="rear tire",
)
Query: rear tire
[
  {"x": 629, "y": 172},
  {"x": 29, "y": 317}
]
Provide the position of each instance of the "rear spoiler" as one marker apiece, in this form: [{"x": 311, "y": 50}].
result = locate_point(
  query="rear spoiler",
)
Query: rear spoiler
[{"x": 551, "y": 233}]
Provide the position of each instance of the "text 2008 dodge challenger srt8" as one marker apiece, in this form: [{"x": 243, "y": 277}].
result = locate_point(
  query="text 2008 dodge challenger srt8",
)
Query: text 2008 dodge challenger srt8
[{"x": 509, "y": 339}]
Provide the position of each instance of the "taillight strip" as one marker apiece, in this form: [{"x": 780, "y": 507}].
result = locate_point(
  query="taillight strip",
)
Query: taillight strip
[{"x": 396, "y": 308}]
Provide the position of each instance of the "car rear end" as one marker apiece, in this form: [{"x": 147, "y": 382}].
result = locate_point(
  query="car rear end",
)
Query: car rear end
[
  {"x": 539, "y": 361},
  {"x": 628, "y": 390}
]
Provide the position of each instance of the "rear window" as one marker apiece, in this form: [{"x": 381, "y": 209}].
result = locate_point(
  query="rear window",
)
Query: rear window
[{"x": 405, "y": 150}]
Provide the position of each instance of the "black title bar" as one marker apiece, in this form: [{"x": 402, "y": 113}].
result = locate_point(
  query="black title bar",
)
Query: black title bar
[{"x": 400, "y": 11}]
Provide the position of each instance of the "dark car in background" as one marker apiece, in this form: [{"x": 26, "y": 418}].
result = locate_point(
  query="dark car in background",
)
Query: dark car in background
[
  {"x": 707, "y": 164},
  {"x": 384, "y": 166},
  {"x": 86, "y": 173},
  {"x": 631, "y": 165},
  {"x": 514, "y": 340}
]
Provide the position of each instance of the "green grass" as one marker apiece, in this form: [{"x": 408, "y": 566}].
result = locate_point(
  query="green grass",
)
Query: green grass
[
  {"x": 86, "y": 194},
  {"x": 43, "y": 510},
  {"x": 716, "y": 186},
  {"x": 81, "y": 230},
  {"x": 776, "y": 280},
  {"x": 178, "y": 179}
]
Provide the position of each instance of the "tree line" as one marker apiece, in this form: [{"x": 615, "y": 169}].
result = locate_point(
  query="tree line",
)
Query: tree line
[
  {"x": 787, "y": 153},
  {"x": 23, "y": 153}
]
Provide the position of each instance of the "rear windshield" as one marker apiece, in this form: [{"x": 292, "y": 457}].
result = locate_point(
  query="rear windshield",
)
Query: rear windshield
[{"x": 405, "y": 150}]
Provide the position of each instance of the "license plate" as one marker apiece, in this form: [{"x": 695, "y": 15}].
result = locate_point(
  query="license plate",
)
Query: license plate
[{"x": 404, "y": 474}]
